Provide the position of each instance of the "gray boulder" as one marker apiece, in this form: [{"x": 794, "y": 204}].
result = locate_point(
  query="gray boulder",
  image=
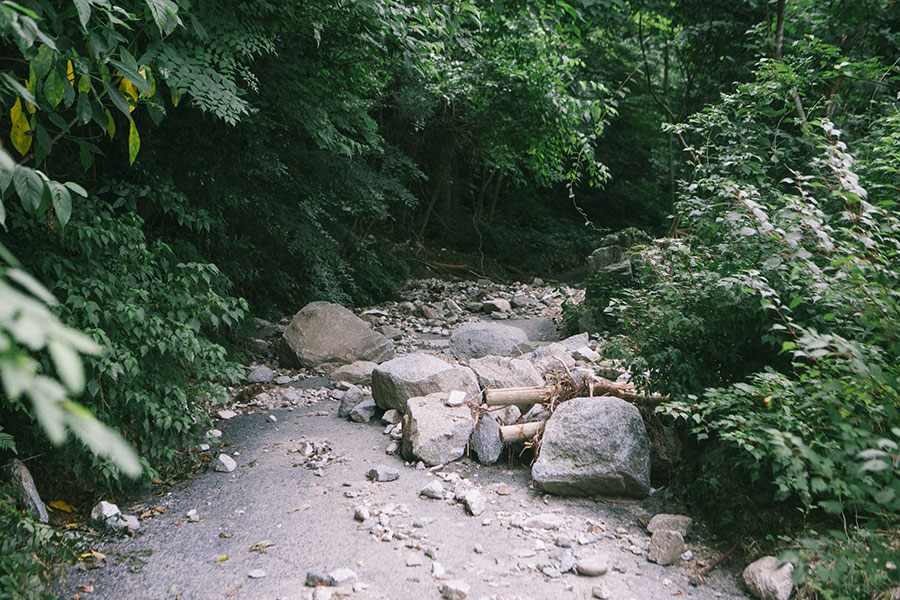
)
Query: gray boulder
[
  {"x": 433, "y": 432},
  {"x": 594, "y": 446},
  {"x": 364, "y": 411},
  {"x": 405, "y": 377},
  {"x": 26, "y": 491},
  {"x": 485, "y": 442},
  {"x": 351, "y": 399},
  {"x": 767, "y": 581},
  {"x": 663, "y": 521},
  {"x": 358, "y": 373},
  {"x": 484, "y": 339},
  {"x": 503, "y": 372},
  {"x": 666, "y": 547},
  {"x": 552, "y": 358},
  {"x": 323, "y": 332},
  {"x": 261, "y": 374}
]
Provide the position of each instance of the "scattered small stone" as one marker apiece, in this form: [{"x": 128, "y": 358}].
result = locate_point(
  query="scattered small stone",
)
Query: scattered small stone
[
  {"x": 475, "y": 502},
  {"x": 343, "y": 576},
  {"x": 383, "y": 473},
  {"x": 322, "y": 593},
  {"x": 429, "y": 552},
  {"x": 666, "y": 547},
  {"x": 456, "y": 398},
  {"x": 225, "y": 464},
  {"x": 679, "y": 523},
  {"x": 105, "y": 510},
  {"x": 204, "y": 447},
  {"x": 392, "y": 416},
  {"x": 600, "y": 592},
  {"x": 455, "y": 590},
  {"x": 282, "y": 380},
  {"x": 361, "y": 513},
  {"x": 594, "y": 565},
  {"x": 502, "y": 489},
  {"x": 437, "y": 570},
  {"x": 392, "y": 448},
  {"x": 544, "y": 521},
  {"x": 256, "y": 574},
  {"x": 193, "y": 516},
  {"x": 226, "y": 414},
  {"x": 478, "y": 548},
  {"x": 214, "y": 433},
  {"x": 550, "y": 571},
  {"x": 273, "y": 418},
  {"x": 687, "y": 556},
  {"x": 433, "y": 490}
]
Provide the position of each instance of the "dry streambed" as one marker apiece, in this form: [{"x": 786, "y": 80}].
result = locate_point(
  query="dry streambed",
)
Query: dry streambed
[{"x": 350, "y": 468}]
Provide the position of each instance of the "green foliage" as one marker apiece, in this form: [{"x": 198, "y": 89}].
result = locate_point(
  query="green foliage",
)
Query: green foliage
[
  {"x": 158, "y": 317},
  {"x": 30, "y": 554},
  {"x": 783, "y": 305}
]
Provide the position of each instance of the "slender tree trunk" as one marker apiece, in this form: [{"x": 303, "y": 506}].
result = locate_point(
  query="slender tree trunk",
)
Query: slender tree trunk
[{"x": 494, "y": 198}]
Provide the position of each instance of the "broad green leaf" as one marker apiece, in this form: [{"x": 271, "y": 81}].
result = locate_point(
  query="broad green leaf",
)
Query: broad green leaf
[
  {"x": 133, "y": 76},
  {"x": 134, "y": 142},
  {"x": 42, "y": 143},
  {"x": 68, "y": 366},
  {"x": 29, "y": 187},
  {"x": 165, "y": 15},
  {"x": 84, "y": 84},
  {"x": 84, "y": 11},
  {"x": 53, "y": 88},
  {"x": 110, "y": 124},
  {"x": 62, "y": 202},
  {"x": 43, "y": 61},
  {"x": 77, "y": 189},
  {"x": 84, "y": 108},
  {"x": 20, "y": 134},
  {"x": 117, "y": 99}
]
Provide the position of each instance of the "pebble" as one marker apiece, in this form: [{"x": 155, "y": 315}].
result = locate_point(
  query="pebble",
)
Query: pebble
[
  {"x": 273, "y": 418},
  {"x": 437, "y": 570},
  {"x": 687, "y": 556},
  {"x": 226, "y": 414},
  {"x": 433, "y": 490},
  {"x": 256, "y": 574},
  {"x": 225, "y": 464},
  {"x": 478, "y": 548},
  {"x": 383, "y": 473},
  {"x": 204, "y": 447},
  {"x": 593, "y": 565},
  {"x": 192, "y": 516},
  {"x": 600, "y": 592},
  {"x": 455, "y": 590},
  {"x": 456, "y": 398},
  {"x": 343, "y": 576},
  {"x": 322, "y": 593},
  {"x": 475, "y": 502},
  {"x": 545, "y": 521}
]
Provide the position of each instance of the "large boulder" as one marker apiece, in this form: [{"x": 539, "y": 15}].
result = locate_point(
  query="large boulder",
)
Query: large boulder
[
  {"x": 502, "y": 372},
  {"x": 433, "y": 432},
  {"x": 323, "y": 332},
  {"x": 594, "y": 446},
  {"x": 552, "y": 358},
  {"x": 486, "y": 443},
  {"x": 767, "y": 580},
  {"x": 484, "y": 339},
  {"x": 405, "y": 377}
]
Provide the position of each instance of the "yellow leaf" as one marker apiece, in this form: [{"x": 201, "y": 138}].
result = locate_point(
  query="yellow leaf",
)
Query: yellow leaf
[
  {"x": 70, "y": 73},
  {"x": 176, "y": 97},
  {"x": 84, "y": 84},
  {"x": 222, "y": 558},
  {"x": 20, "y": 134},
  {"x": 148, "y": 75},
  {"x": 134, "y": 143},
  {"x": 29, "y": 85},
  {"x": 129, "y": 90},
  {"x": 110, "y": 124},
  {"x": 62, "y": 505}
]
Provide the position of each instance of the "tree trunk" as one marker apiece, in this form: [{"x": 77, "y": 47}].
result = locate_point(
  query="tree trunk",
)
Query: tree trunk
[
  {"x": 519, "y": 396},
  {"x": 522, "y": 431}
]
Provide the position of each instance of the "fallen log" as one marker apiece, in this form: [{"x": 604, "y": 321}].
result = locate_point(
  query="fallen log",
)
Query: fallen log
[
  {"x": 521, "y": 431},
  {"x": 541, "y": 395},
  {"x": 521, "y": 396}
]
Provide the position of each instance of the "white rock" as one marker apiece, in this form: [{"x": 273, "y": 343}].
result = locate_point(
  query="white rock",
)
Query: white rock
[
  {"x": 666, "y": 547},
  {"x": 594, "y": 565},
  {"x": 392, "y": 416},
  {"x": 586, "y": 354},
  {"x": 545, "y": 521},
  {"x": 256, "y": 574},
  {"x": 273, "y": 418},
  {"x": 455, "y": 590},
  {"x": 679, "y": 523},
  {"x": 456, "y": 398},
  {"x": 475, "y": 502},
  {"x": 433, "y": 490},
  {"x": 225, "y": 464},
  {"x": 104, "y": 510},
  {"x": 343, "y": 576},
  {"x": 437, "y": 570},
  {"x": 226, "y": 414},
  {"x": 414, "y": 560},
  {"x": 767, "y": 581}
]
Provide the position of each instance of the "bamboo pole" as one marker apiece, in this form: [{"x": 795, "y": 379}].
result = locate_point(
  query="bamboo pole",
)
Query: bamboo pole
[
  {"x": 521, "y": 396},
  {"x": 521, "y": 431}
]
